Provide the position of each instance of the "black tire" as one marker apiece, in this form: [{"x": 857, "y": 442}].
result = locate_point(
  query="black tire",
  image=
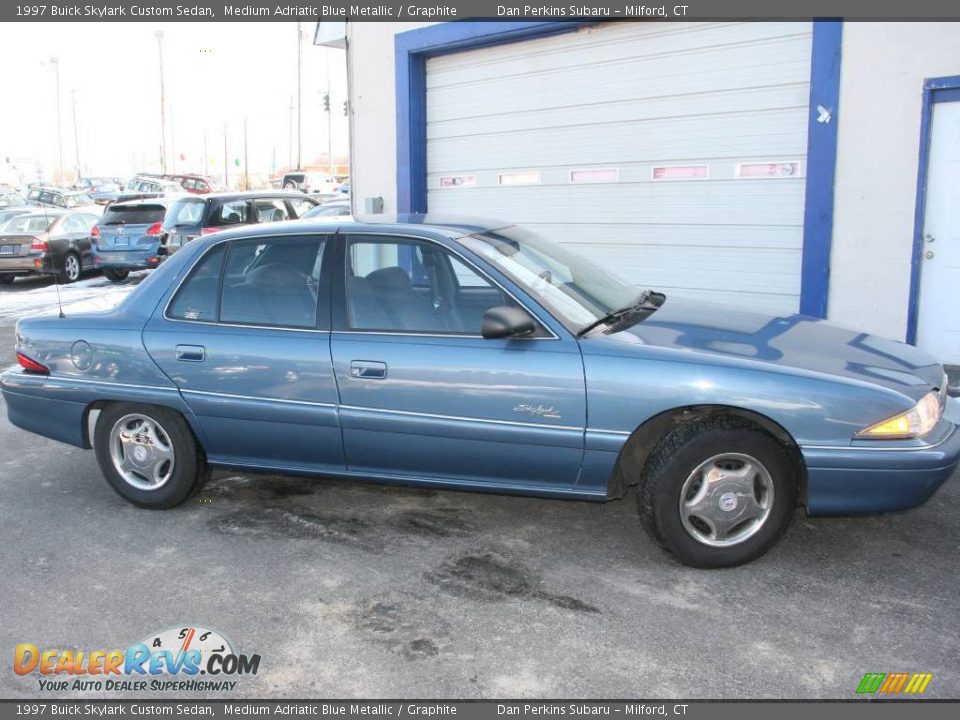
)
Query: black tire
[
  {"x": 289, "y": 185},
  {"x": 678, "y": 455},
  {"x": 189, "y": 471},
  {"x": 69, "y": 272},
  {"x": 6, "y": 279},
  {"x": 116, "y": 275}
]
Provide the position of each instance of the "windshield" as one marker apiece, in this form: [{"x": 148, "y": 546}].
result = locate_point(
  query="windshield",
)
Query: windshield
[
  {"x": 575, "y": 290},
  {"x": 27, "y": 224}
]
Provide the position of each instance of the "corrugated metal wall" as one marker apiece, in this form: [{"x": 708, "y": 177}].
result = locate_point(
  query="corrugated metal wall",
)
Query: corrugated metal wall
[{"x": 632, "y": 101}]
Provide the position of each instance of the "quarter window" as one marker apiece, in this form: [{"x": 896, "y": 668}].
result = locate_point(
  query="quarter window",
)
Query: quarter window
[
  {"x": 300, "y": 206},
  {"x": 270, "y": 210},
  {"x": 236, "y": 212}
]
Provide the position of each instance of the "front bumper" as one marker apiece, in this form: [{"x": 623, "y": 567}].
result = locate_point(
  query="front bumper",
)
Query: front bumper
[{"x": 875, "y": 478}]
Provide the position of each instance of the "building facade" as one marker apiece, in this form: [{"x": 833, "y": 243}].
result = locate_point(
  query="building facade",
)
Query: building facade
[{"x": 788, "y": 166}]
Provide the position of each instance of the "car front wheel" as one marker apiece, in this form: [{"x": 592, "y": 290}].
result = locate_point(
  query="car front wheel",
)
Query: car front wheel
[
  {"x": 717, "y": 492},
  {"x": 148, "y": 455}
]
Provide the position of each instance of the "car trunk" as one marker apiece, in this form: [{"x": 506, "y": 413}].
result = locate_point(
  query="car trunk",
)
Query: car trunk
[{"x": 16, "y": 245}]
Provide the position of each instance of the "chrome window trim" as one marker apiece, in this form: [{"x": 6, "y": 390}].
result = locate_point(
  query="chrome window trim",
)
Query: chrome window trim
[{"x": 470, "y": 265}]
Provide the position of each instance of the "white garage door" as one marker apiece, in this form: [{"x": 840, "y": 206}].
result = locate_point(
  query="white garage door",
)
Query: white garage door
[{"x": 675, "y": 154}]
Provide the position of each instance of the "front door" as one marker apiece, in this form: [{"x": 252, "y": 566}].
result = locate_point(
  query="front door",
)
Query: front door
[
  {"x": 424, "y": 396},
  {"x": 246, "y": 339},
  {"x": 938, "y": 324}
]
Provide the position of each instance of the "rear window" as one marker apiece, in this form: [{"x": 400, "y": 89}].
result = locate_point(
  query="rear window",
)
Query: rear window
[
  {"x": 28, "y": 224},
  {"x": 183, "y": 213},
  {"x": 138, "y": 215}
]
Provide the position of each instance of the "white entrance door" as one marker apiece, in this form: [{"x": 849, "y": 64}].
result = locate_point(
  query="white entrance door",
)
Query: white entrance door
[{"x": 938, "y": 326}]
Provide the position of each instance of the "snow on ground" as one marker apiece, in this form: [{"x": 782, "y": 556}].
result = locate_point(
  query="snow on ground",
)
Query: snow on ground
[{"x": 32, "y": 295}]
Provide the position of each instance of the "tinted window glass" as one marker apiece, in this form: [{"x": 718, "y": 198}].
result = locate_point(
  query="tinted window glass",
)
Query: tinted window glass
[
  {"x": 133, "y": 215},
  {"x": 300, "y": 206},
  {"x": 186, "y": 212},
  {"x": 75, "y": 224},
  {"x": 233, "y": 212},
  {"x": 413, "y": 287},
  {"x": 197, "y": 297},
  {"x": 77, "y": 200},
  {"x": 270, "y": 210},
  {"x": 27, "y": 224},
  {"x": 272, "y": 282}
]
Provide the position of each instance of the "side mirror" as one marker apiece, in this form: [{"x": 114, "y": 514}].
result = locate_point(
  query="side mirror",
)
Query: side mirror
[{"x": 504, "y": 321}]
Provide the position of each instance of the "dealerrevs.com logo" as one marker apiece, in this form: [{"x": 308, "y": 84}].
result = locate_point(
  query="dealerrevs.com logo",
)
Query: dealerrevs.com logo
[{"x": 173, "y": 659}]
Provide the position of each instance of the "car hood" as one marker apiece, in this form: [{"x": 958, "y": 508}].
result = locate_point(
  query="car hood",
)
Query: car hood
[{"x": 793, "y": 343}]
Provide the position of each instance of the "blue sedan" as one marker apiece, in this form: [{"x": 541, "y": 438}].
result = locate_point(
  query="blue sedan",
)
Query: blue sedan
[{"x": 482, "y": 357}]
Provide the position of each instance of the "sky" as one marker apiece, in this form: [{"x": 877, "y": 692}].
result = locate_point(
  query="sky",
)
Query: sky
[{"x": 215, "y": 75}]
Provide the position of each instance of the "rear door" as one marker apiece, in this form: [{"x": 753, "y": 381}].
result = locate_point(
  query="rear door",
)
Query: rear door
[{"x": 246, "y": 339}]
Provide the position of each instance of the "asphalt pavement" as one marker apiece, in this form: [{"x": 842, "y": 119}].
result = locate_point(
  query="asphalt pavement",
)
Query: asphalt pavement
[{"x": 358, "y": 590}]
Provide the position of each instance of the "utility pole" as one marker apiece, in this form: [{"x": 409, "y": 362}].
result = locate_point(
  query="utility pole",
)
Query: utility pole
[
  {"x": 329, "y": 115},
  {"x": 206, "y": 158},
  {"x": 76, "y": 134},
  {"x": 299, "y": 97},
  {"x": 246, "y": 173},
  {"x": 290, "y": 138},
  {"x": 158, "y": 34},
  {"x": 226, "y": 162},
  {"x": 56, "y": 70}
]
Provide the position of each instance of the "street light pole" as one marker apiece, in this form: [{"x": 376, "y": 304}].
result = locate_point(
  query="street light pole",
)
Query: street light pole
[
  {"x": 299, "y": 97},
  {"x": 158, "y": 34},
  {"x": 76, "y": 135},
  {"x": 56, "y": 69},
  {"x": 329, "y": 115},
  {"x": 226, "y": 172},
  {"x": 246, "y": 173}
]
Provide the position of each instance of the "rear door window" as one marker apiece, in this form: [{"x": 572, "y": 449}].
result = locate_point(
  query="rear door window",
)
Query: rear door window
[
  {"x": 270, "y": 210},
  {"x": 233, "y": 212},
  {"x": 299, "y": 206}
]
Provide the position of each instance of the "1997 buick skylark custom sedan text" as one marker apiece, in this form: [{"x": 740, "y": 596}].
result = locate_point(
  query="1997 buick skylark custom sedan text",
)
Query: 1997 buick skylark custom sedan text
[{"x": 483, "y": 357}]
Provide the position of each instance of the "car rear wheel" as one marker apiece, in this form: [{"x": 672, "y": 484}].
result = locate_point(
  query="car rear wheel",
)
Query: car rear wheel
[
  {"x": 6, "y": 279},
  {"x": 717, "y": 492},
  {"x": 116, "y": 275},
  {"x": 289, "y": 185},
  {"x": 70, "y": 269},
  {"x": 148, "y": 455}
]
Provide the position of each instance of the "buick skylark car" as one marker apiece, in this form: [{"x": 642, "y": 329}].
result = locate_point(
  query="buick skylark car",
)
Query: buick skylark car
[{"x": 481, "y": 357}]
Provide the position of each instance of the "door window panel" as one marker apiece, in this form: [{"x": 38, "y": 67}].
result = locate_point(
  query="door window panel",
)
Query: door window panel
[
  {"x": 270, "y": 210},
  {"x": 411, "y": 286},
  {"x": 300, "y": 206},
  {"x": 197, "y": 297},
  {"x": 272, "y": 282},
  {"x": 233, "y": 213}
]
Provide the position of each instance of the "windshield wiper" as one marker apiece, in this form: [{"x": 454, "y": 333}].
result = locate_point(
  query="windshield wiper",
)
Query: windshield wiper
[{"x": 641, "y": 304}]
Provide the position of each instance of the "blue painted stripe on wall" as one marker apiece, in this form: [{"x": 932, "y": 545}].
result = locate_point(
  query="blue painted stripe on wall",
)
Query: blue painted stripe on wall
[{"x": 821, "y": 167}]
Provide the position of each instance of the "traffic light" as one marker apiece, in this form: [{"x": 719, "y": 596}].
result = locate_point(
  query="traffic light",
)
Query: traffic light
[
  {"x": 345, "y": 112},
  {"x": 326, "y": 102}
]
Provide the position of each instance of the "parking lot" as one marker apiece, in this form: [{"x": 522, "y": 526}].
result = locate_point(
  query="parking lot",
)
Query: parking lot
[{"x": 350, "y": 590}]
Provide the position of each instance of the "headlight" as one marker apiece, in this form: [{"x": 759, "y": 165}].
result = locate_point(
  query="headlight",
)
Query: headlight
[{"x": 914, "y": 423}]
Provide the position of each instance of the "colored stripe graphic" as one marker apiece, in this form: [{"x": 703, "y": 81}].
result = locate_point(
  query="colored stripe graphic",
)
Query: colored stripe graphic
[{"x": 894, "y": 683}]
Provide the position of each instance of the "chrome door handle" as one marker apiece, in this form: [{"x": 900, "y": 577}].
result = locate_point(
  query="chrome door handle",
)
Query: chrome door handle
[
  {"x": 368, "y": 370},
  {"x": 191, "y": 353}
]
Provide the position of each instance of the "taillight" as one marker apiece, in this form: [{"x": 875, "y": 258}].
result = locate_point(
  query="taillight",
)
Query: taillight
[
  {"x": 209, "y": 230},
  {"x": 39, "y": 245},
  {"x": 155, "y": 229},
  {"x": 95, "y": 232},
  {"x": 31, "y": 365}
]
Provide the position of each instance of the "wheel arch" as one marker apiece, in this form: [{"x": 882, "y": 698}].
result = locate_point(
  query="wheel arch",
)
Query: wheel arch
[
  {"x": 634, "y": 454},
  {"x": 92, "y": 411}
]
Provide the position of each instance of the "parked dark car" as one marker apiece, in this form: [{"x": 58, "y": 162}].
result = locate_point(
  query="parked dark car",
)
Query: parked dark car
[
  {"x": 47, "y": 242},
  {"x": 128, "y": 237},
  {"x": 192, "y": 216},
  {"x": 103, "y": 190},
  {"x": 339, "y": 209},
  {"x": 143, "y": 187},
  {"x": 196, "y": 184},
  {"x": 55, "y": 197}
]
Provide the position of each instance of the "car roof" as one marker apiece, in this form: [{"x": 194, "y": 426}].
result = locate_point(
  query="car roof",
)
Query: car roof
[
  {"x": 242, "y": 194},
  {"x": 162, "y": 202},
  {"x": 46, "y": 212}
]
